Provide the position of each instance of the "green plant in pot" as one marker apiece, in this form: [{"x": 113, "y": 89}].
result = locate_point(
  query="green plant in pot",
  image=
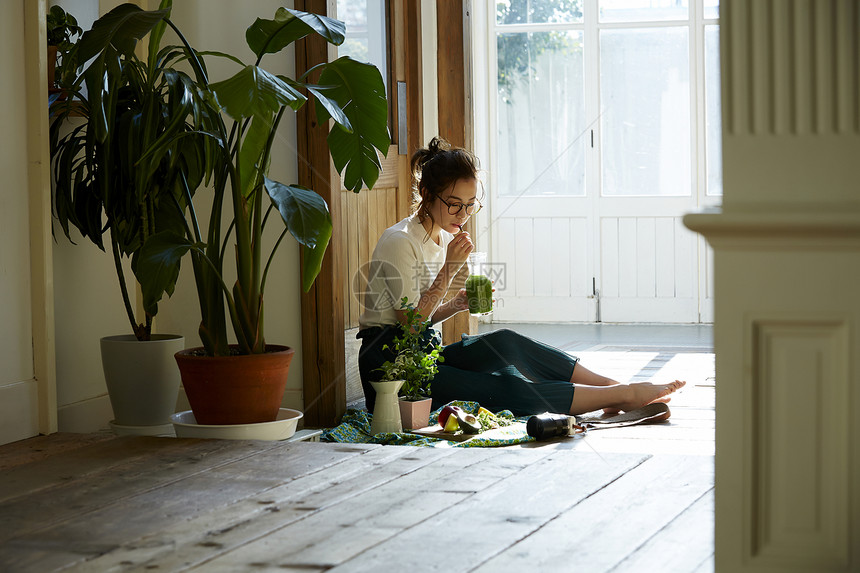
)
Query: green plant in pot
[
  {"x": 416, "y": 355},
  {"x": 114, "y": 192},
  {"x": 223, "y": 382},
  {"x": 63, "y": 30}
]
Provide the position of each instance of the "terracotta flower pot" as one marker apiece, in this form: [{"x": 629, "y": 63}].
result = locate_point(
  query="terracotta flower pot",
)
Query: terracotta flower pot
[
  {"x": 415, "y": 415},
  {"x": 240, "y": 389}
]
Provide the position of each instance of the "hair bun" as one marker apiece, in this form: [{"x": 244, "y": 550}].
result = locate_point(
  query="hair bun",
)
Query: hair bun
[{"x": 438, "y": 144}]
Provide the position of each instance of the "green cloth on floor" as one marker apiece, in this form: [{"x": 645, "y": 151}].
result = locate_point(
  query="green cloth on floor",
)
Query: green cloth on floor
[{"x": 355, "y": 428}]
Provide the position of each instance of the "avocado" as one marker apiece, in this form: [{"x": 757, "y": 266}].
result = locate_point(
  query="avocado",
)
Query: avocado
[{"x": 468, "y": 423}]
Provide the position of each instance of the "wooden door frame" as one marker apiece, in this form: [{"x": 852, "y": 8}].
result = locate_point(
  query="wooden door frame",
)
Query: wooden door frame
[
  {"x": 455, "y": 119},
  {"x": 41, "y": 236},
  {"x": 324, "y": 386},
  {"x": 323, "y": 317}
]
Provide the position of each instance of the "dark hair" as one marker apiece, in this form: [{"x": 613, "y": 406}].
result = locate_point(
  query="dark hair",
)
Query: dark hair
[{"x": 435, "y": 169}]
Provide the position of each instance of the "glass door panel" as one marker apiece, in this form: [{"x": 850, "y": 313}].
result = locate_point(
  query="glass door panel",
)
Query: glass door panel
[
  {"x": 542, "y": 134},
  {"x": 645, "y": 111},
  {"x": 365, "y": 32},
  {"x": 713, "y": 122},
  {"x": 643, "y": 10},
  {"x": 538, "y": 12}
]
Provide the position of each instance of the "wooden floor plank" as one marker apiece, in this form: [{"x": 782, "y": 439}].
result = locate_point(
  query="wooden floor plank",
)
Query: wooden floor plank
[
  {"x": 492, "y": 519},
  {"x": 707, "y": 566},
  {"x": 598, "y": 533},
  {"x": 336, "y": 534},
  {"x": 42, "y": 447},
  {"x": 151, "y": 462},
  {"x": 85, "y": 463},
  {"x": 153, "y": 495},
  {"x": 183, "y": 545},
  {"x": 682, "y": 546}
]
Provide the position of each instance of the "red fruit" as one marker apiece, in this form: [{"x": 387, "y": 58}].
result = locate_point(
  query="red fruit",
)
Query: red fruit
[{"x": 445, "y": 413}]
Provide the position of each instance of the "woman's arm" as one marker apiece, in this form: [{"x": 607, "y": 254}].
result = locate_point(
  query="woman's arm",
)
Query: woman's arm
[
  {"x": 446, "y": 310},
  {"x": 431, "y": 300},
  {"x": 430, "y": 303}
]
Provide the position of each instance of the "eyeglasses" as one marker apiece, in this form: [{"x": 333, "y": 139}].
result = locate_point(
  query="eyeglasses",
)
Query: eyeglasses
[{"x": 454, "y": 208}]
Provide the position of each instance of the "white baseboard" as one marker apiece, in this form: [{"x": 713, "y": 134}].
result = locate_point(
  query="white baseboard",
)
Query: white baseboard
[
  {"x": 19, "y": 411},
  {"x": 86, "y": 416},
  {"x": 95, "y": 414}
]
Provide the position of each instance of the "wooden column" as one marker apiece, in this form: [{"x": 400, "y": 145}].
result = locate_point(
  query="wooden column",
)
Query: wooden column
[
  {"x": 414, "y": 86},
  {"x": 453, "y": 120},
  {"x": 323, "y": 356},
  {"x": 786, "y": 268}
]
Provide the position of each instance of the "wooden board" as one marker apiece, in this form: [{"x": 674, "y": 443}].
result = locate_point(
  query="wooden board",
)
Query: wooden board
[
  {"x": 436, "y": 431},
  {"x": 517, "y": 429}
]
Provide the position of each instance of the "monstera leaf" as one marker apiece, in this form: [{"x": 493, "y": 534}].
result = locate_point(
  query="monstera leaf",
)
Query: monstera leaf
[{"x": 359, "y": 91}]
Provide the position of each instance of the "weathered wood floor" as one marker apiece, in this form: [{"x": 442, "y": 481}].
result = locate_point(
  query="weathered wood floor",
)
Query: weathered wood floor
[{"x": 625, "y": 499}]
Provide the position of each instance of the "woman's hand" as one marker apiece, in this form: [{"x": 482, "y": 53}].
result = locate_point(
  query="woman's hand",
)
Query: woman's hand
[
  {"x": 460, "y": 301},
  {"x": 458, "y": 250}
]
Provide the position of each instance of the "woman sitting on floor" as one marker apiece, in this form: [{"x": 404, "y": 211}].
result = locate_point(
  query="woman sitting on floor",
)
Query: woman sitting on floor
[{"x": 417, "y": 258}]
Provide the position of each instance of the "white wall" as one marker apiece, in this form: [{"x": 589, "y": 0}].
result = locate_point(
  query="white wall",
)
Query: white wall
[{"x": 17, "y": 387}]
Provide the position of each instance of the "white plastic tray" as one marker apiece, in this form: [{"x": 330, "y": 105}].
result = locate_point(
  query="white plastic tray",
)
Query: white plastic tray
[{"x": 280, "y": 429}]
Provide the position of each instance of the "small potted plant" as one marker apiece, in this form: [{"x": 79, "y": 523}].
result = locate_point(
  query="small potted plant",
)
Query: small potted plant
[
  {"x": 62, "y": 30},
  {"x": 415, "y": 365}
]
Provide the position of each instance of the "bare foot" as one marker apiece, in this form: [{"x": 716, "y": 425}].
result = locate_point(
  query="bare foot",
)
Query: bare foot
[{"x": 642, "y": 393}]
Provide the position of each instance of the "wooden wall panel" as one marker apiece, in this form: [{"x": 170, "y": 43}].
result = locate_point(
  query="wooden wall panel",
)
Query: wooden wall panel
[
  {"x": 646, "y": 259},
  {"x": 797, "y": 512},
  {"x": 368, "y": 214},
  {"x": 525, "y": 256},
  {"x": 580, "y": 255},
  {"x": 506, "y": 233},
  {"x": 543, "y": 267},
  {"x": 627, "y": 257},
  {"x": 609, "y": 277},
  {"x": 686, "y": 280},
  {"x": 665, "y": 257},
  {"x": 561, "y": 280},
  {"x": 560, "y": 275},
  {"x": 648, "y": 265}
]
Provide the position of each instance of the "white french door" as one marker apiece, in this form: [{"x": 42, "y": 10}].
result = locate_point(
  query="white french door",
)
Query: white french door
[{"x": 599, "y": 129}]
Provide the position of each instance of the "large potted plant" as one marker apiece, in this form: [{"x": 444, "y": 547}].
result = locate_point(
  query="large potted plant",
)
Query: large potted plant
[
  {"x": 244, "y": 382},
  {"x": 112, "y": 190},
  {"x": 414, "y": 365}
]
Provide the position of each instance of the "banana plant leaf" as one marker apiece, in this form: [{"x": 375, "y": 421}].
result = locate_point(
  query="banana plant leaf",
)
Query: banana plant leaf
[
  {"x": 272, "y": 36},
  {"x": 122, "y": 27},
  {"x": 254, "y": 91},
  {"x": 308, "y": 219},
  {"x": 359, "y": 90},
  {"x": 158, "y": 263}
]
